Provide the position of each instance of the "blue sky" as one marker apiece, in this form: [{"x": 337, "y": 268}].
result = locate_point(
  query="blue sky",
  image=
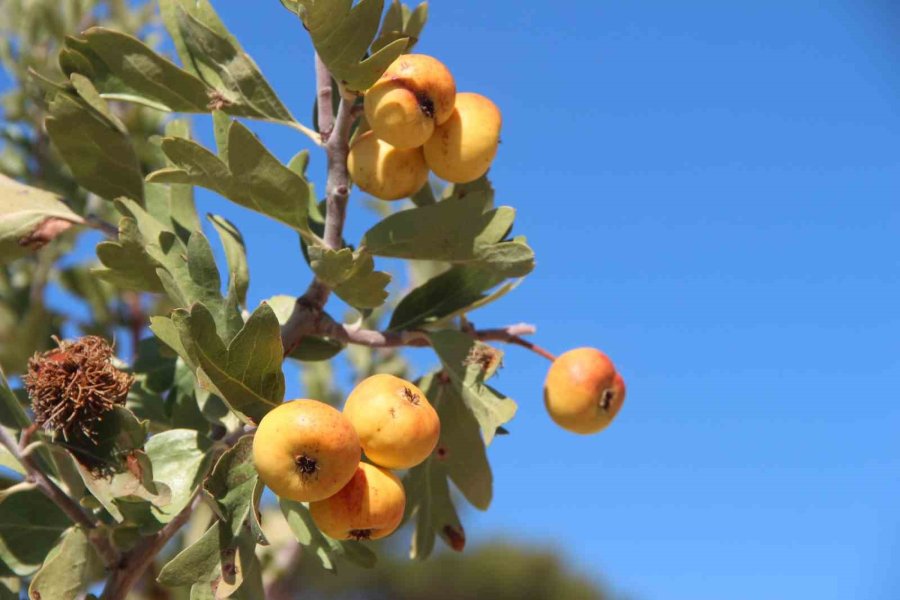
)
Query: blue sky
[{"x": 712, "y": 192}]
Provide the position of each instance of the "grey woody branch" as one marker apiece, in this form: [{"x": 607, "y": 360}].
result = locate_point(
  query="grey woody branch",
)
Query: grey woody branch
[{"x": 48, "y": 487}]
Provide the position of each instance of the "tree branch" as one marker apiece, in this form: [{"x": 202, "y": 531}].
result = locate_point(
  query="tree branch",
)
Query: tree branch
[
  {"x": 71, "y": 508},
  {"x": 511, "y": 334},
  {"x": 132, "y": 566},
  {"x": 335, "y": 132}
]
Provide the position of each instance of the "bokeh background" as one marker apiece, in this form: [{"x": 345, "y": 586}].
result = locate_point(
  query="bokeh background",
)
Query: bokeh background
[{"x": 712, "y": 191}]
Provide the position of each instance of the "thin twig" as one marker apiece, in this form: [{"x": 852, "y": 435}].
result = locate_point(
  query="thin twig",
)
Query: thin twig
[
  {"x": 66, "y": 504},
  {"x": 511, "y": 334},
  {"x": 136, "y": 561}
]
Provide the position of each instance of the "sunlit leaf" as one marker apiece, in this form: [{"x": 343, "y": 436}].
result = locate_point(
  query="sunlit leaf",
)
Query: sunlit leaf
[{"x": 29, "y": 217}]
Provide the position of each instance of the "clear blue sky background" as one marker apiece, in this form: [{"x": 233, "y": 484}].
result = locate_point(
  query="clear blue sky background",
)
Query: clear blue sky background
[{"x": 712, "y": 192}]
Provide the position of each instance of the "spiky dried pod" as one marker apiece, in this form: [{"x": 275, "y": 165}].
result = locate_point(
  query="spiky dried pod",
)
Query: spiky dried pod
[{"x": 74, "y": 385}]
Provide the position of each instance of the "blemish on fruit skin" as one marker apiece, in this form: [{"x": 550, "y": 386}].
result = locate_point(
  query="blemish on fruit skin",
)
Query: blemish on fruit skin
[{"x": 411, "y": 396}]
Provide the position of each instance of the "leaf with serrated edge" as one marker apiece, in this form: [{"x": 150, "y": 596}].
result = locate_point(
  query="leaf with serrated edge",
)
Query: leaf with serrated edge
[
  {"x": 70, "y": 570},
  {"x": 489, "y": 407}
]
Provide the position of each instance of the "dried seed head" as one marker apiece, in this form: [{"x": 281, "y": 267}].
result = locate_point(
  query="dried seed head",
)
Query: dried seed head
[
  {"x": 484, "y": 356},
  {"x": 73, "y": 386}
]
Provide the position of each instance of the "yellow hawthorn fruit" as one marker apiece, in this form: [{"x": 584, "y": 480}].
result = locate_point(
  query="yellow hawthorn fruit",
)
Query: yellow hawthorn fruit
[
  {"x": 384, "y": 171},
  {"x": 583, "y": 392},
  {"x": 414, "y": 94},
  {"x": 397, "y": 426},
  {"x": 305, "y": 450},
  {"x": 462, "y": 149},
  {"x": 369, "y": 507}
]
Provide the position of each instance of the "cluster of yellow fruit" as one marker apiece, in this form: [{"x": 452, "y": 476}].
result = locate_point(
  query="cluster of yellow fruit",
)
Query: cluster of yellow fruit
[
  {"x": 308, "y": 451},
  {"x": 418, "y": 122}
]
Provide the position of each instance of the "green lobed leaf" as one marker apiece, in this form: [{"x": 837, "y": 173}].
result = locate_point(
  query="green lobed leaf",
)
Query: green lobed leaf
[
  {"x": 251, "y": 177},
  {"x": 430, "y": 504},
  {"x": 126, "y": 263},
  {"x": 456, "y": 351},
  {"x": 233, "y": 489},
  {"x": 25, "y": 214},
  {"x": 401, "y": 23},
  {"x": 464, "y": 230},
  {"x": 180, "y": 458},
  {"x": 235, "y": 254},
  {"x": 328, "y": 551},
  {"x": 30, "y": 525},
  {"x": 342, "y": 34},
  {"x": 458, "y": 290},
  {"x": 217, "y": 57},
  {"x": 100, "y": 156},
  {"x": 173, "y": 203},
  {"x": 187, "y": 272},
  {"x": 70, "y": 570},
  {"x": 123, "y": 67},
  {"x": 217, "y": 566},
  {"x": 246, "y": 373},
  {"x": 351, "y": 275},
  {"x": 460, "y": 448},
  {"x": 116, "y": 470}
]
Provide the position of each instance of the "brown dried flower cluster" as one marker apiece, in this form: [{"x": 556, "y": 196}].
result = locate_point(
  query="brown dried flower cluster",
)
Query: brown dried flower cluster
[{"x": 73, "y": 386}]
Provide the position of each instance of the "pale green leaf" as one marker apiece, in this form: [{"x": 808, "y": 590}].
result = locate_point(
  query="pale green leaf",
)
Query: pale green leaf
[
  {"x": 222, "y": 63},
  {"x": 235, "y": 254},
  {"x": 27, "y": 217},
  {"x": 490, "y": 408},
  {"x": 124, "y": 68},
  {"x": 444, "y": 296},
  {"x": 247, "y": 373},
  {"x": 430, "y": 505},
  {"x": 464, "y": 230},
  {"x": 232, "y": 489},
  {"x": 342, "y": 34},
  {"x": 173, "y": 203},
  {"x": 180, "y": 458},
  {"x": 461, "y": 448},
  {"x": 100, "y": 156},
  {"x": 30, "y": 525},
  {"x": 70, "y": 570},
  {"x": 251, "y": 176}
]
